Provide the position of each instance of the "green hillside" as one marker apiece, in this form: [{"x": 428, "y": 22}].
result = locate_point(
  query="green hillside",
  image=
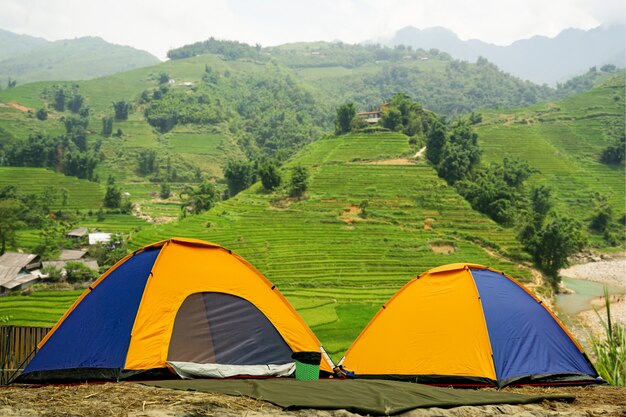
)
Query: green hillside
[
  {"x": 70, "y": 59},
  {"x": 80, "y": 193},
  {"x": 564, "y": 141},
  {"x": 335, "y": 263},
  {"x": 12, "y": 44}
]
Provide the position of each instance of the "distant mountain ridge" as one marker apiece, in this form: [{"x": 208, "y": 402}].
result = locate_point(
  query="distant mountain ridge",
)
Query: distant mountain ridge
[
  {"x": 26, "y": 59},
  {"x": 539, "y": 59}
]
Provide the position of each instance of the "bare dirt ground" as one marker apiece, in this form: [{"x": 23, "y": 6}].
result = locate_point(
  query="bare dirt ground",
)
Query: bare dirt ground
[
  {"x": 135, "y": 400},
  {"x": 17, "y": 106}
]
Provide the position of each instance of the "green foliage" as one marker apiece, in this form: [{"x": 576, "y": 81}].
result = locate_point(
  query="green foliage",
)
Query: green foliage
[
  {"x": 54, "y": 274},
  {"x": 614, "y": 154},
  {"x": 59, "y": 99},
  {"x": 435, "y": 142},
  {"x": 57, "y": 153},
  {"x": 11, "y": 220},
  {"x": 239, "y": 175},
  {"x": 403, "y": 114},
  {"x": 228, "y": 50},
  {"x": 552, "y": 244},
  {"x": 75, "y": 103},
  {"x": 42, "y": 114},
  {"x": 498, "y": 190},
  {"x": 165, "y": 191},
  {"x": 113, "y": 196},
  {"x": 164, "y": 77},
  {"x": 541, "y": 204},
  {"x": 392, "y": 119},
  {"x": 121, "y": 108},
  {"x": 603, "y": 213},
  {"x": 299, "y": 181},
  {"x": 109, "y": 253},
  {"x": 610, "y": 351},
  {"x": 199, "y": 199},
  {"x": 79, "y": 272},
  {"x": 584, "y": 82},
  {"x": 460, "y": 153},
  {"x": 107, "y": 126},
  {"x": 345, "y": 117},
  {"x": 270, "y": 176},
  {"x": 146, "y": 162}
]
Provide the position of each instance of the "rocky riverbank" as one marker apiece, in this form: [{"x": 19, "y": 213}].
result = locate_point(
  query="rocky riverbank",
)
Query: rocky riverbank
[{"x": 609, "y": 270}]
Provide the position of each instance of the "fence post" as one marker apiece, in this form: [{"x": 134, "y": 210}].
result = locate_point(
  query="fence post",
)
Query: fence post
[{"x": 17, "y": 343}]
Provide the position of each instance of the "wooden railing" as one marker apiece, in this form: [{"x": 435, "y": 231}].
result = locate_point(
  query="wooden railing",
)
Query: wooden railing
[{"x": 17, "y": 348}]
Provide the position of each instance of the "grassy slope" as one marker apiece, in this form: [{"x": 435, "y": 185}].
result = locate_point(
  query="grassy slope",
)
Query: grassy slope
[
  {"x": 82, "y": 193},
  {"x": 206, "y": 147},
  {"x": 564, "y": 141},
  {"x": 338, "y": 273}
]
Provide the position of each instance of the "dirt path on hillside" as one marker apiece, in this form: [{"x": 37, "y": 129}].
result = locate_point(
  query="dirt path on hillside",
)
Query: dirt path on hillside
[
  {"x": 135, "y": 400},
  {"x": 17, "y": 106}
]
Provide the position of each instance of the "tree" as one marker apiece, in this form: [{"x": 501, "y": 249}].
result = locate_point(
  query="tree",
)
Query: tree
[
  {"x": 614, "y": 154},
  {"x": 199, "y": 199},
  {"x": 601, "y": 220},
  {"x": 11, "y": 83},
  {"x": 345, "y": 116},
  {"x": 299, "y": 180},
  {"x": 166, "y": 191},
  {"x": 10, "y": 222},
  {"x": 42, "y": 114},
  {"x": 164, "y": 77},
  {"x": 107, "y": 126},
  {"x": 392, "y": 119},
  {"x": 435, "y": 142},
  {"x": 270, "y": 176},
  {"x": 113, "y": 195},
  {"x": 541, "y": 204},
  {"x": 239, "y": 175},
  {"x": 558, "y": 239},
  {"x": 78, "y": 272},
  {"x": 147, "y": 161},
  {"x": 76, "y": 103},
  {"x": 59, "y": 99},
  {"x": 121, "y": 110},
  {"x": 461, "y": 152}
]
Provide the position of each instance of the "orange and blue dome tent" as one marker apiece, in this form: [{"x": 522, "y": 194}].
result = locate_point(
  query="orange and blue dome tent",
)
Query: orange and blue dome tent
[
  {"x": 180, "y": 305},
  {"x": 464, "y": 325}
]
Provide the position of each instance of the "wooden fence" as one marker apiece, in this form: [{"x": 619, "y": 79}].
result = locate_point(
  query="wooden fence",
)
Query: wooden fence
[{"x": 17, "y": 347}]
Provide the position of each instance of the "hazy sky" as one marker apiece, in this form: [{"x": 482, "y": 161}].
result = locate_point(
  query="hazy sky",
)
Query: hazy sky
[{"x": 158, "y": 25}]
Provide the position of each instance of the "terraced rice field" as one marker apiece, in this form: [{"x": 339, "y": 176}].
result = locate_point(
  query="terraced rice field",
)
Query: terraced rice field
[
  {"x": 336, "y": 264},
  {"x": 81, "y": 193},
  {"x": 564, "y": 142}
]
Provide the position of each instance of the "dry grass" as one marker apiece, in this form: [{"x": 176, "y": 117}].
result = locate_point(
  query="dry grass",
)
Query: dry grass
[{"x": 128, "y": 399}]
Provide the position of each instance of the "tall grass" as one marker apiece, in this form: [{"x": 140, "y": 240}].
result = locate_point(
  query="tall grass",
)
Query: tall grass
[{"x": 610, "y": 352}]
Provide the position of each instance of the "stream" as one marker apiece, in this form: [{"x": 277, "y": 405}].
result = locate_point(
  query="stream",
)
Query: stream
[{"x": 568, "y": 306}]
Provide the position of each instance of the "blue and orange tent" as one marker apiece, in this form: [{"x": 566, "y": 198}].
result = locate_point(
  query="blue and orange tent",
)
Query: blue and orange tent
[
  {"x": 179, "y": 305},
  {"x": 466, "y": 324}
]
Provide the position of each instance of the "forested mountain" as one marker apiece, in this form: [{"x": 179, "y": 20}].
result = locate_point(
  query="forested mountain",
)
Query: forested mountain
[
  {"x": 539, "y": 59},
  {"x": 370, "y": 74},
  {"x": 28, "y": 59},
  {"x": 12, "y": 44}
]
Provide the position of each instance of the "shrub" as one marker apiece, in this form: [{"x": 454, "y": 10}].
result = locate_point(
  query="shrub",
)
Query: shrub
[
  {"x": 78, "y": 272},
  {"x": 611, "y": 352}
]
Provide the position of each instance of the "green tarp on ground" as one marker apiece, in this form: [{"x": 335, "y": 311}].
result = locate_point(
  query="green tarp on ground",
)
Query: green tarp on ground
[{"x": 375, "y": 397}]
